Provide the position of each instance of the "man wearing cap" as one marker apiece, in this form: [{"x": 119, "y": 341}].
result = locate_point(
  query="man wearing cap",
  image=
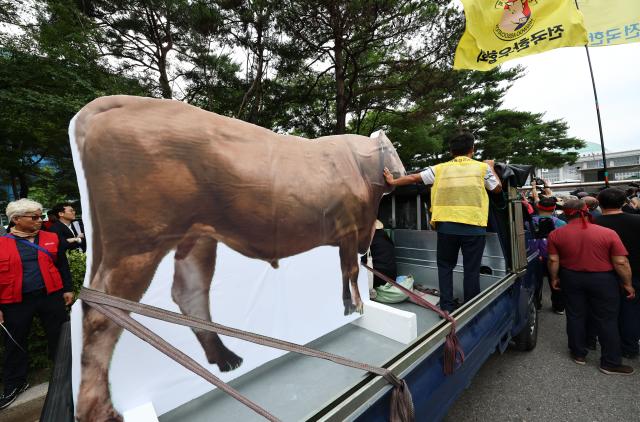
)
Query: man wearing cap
[
  {"x": 460, "y": 211},
  {"x": 584, "y": 260}
]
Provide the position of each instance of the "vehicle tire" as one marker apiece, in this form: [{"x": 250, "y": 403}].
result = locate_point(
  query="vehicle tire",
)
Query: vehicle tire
[{"x": 527, "y": 339}]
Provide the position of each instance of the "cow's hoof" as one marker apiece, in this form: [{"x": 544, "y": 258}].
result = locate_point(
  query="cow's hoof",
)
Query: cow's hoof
[
  {"x": 349, "y": 308},
  {"x": 229, "y": 361},
  {"x": 104, "y": 413},
  {"x": 94, "y": 403},
  {"x": 360, "y": 308}
]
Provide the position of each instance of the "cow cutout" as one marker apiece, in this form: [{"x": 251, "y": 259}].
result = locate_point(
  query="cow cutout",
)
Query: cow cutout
[{"x": 265, "y": 195}]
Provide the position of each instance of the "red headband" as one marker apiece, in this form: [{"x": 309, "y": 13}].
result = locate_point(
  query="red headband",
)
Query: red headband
[
  {"x": 584, "y": 212},
  {"x": 548, "y": 209}
]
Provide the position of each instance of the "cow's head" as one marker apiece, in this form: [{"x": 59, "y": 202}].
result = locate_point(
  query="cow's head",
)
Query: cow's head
[{"x": 389, "y": 156}]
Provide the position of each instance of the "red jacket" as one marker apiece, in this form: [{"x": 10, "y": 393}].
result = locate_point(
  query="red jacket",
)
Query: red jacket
[{"x": 11, "y": 267}]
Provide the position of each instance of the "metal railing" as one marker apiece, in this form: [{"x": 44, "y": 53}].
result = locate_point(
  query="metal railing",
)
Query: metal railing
[{"x": 585, "y": 184}]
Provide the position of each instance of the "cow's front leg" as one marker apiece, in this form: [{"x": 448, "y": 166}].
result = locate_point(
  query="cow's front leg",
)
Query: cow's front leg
[
  {"x": 346, "y": 295},
  {"x": 359, "y": 306},
  {"x": 349, "y": 266}
]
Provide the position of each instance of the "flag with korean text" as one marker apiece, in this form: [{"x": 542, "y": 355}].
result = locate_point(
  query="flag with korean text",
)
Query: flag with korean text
[
  {"x": 611, "y": 22},
  {"x": 501, "y": 30}
]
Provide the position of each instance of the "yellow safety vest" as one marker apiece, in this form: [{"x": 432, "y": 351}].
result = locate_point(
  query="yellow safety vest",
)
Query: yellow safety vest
[{"x": 458, "y": 194}]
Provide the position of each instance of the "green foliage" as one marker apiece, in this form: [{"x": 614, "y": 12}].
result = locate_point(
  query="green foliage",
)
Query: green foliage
[
  {"x": 524, "y": 138},
  {"x": 39, "y": 95},
  {"x": 368, "y": 47},
  {"x": 78, "y": 266},
  {"x": 310, "y": 68},
  {"x": 51, "y": 187},
  {"x": 449, "y": 101}
]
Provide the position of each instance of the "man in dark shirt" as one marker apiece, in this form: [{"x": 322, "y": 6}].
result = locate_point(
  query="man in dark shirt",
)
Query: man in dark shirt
[
  {"x": 628, "y": 228},
  {"x": 584, "y": 259},
  {"x": 383, "y": 255},
  {"x": 69, "y": 230}
]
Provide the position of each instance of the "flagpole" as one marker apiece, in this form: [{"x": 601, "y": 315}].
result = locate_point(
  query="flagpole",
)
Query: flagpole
[{"x": 595, "y": 96}]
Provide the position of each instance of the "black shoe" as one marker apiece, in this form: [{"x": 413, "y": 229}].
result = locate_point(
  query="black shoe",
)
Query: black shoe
[
  {"x": 617, "y": 370},
  {"x": 9, "y": 397},
  {"x": 456, "y": 304}
]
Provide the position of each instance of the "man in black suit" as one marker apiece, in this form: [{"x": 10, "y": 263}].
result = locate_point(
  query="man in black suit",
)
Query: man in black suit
[{"x": 69, "y": 231}]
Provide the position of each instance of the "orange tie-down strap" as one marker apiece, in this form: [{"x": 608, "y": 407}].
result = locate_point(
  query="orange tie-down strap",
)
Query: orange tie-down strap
[
  {"x": 453, "y": 352},
  {"x": 117, "y": 309}
]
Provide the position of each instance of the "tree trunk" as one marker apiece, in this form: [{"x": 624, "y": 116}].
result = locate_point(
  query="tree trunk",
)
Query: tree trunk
[
  {"x": 341, "y": 107},
  {"x": 24, "y": 185},
  {"x": 164, "y": 79},
  {"x": 255, "y": 89},
  {"x": 14, "y": 186}
]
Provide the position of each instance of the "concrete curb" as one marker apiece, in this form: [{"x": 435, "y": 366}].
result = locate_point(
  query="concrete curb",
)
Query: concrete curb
[{"x": 28, "y": 405}]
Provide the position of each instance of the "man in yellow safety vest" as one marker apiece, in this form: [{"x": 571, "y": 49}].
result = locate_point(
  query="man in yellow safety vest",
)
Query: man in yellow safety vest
[{"x": 459, "y": 211}]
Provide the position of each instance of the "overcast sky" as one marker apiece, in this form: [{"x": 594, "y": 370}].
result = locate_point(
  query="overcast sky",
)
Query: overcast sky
[{"x": 557, "y": 83}]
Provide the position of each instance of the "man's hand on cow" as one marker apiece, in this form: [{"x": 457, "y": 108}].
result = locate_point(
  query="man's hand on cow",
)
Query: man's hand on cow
[
  {"x": 555, "y": 284},
  {"x": 388, "y": 177},
  {"x": 490, "y": 162}
]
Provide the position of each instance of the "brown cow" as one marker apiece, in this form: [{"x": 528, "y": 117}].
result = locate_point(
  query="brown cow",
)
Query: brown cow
[{"x": 216, "y": 179}]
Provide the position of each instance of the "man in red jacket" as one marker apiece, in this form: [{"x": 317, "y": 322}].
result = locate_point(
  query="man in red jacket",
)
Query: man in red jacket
[{"x": 34, "y": 279}]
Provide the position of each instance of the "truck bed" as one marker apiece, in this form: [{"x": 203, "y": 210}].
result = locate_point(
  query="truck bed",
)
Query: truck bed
[{"x": 295, "y": 387}]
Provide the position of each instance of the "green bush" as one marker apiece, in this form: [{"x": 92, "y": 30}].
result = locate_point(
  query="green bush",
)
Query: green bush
[
  {"x": 39, "y": 359},
  {"x": 78, "y": 266}
]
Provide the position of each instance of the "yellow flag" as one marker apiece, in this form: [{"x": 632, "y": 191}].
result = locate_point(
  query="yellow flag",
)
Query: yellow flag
[
  {"x": 611, "y": 22},
  {"x": 501, "y": 30}
]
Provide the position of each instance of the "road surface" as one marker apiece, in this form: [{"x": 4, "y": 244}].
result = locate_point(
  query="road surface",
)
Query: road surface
[{"x": 545, "y": 384}]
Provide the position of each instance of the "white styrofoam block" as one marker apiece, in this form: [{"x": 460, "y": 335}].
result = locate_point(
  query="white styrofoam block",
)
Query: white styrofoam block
[
  {"x": 390, "y": 322},
  {"x": 144, "y": 413}
]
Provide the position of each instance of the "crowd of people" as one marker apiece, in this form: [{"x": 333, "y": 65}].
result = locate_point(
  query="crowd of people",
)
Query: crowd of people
[
  {"x": 589, "y": 250},
  {"x": 35, "y": 280}
]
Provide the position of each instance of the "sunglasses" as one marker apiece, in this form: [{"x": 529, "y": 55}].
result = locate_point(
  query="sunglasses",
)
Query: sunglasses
[{"x": 33, "y": 217}]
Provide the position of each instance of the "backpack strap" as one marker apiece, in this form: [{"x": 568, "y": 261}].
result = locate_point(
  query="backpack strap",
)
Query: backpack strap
[{"x": 32, "y": 245}]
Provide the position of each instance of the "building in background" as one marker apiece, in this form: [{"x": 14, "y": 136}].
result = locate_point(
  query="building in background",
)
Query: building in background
[{"x": 622, "y": 165}]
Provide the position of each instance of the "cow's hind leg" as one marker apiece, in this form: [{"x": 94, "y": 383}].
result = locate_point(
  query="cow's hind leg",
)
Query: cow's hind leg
[
  {"x": 349, "y": 266},
  {"x": 194, "y": 267},
  {"x": 127, "y": 277}
]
